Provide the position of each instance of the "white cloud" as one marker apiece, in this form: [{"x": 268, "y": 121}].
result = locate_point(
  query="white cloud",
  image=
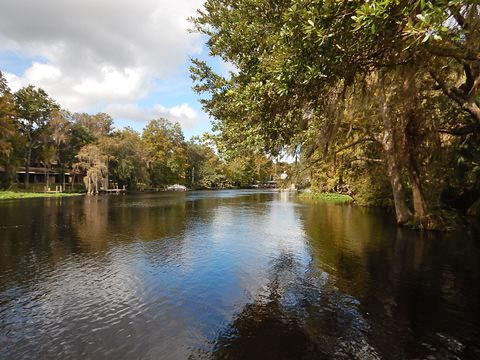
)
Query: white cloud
[
  {"x": 14, "y": 82},
  {"x": 183, "y": 111},
  {"x": 183, "y": 114},
  {"x": 42, "y": 73},
  {"x": 98, "y": 54},
  {"x": 113, "y": 84}
]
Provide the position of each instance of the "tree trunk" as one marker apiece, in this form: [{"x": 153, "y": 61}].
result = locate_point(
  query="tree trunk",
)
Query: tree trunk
[
  {"x": 418, "y": 197},
  {"x": 392, "y": 148},
  {"x": 402, "y": 211},
  {"x": 415, "y": 130},
  {"x": 419, "y": 203},
  {"x": 7, "y": 173},
  {"x": 27, "y": 166},
  {"x": 105, "y": 183},
  {"x": 46, "y": 177}
]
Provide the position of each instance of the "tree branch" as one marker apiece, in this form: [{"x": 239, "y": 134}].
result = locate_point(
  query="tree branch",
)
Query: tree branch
[
  {"x": 459, "y": 54},
  {"x": 359, "y": 141},
  {"x": 460, "y": 131},
  {"x": 465, "y": 101},
  {"x": 469, "y": 80},
  {"x": 363, "y": 158}
]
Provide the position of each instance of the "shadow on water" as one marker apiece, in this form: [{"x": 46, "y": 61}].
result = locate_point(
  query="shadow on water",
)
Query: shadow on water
[{"x": 300, "y": 315}]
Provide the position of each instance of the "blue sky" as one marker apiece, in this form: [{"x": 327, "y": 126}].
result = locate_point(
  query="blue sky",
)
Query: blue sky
[{"x": 129, "y": 59}]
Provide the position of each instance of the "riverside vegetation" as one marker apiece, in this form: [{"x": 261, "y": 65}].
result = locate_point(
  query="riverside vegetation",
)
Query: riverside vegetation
[
  {"x": 36, "y": 130},
  {"x": 379, "y": 99},
  {"x": 7, "y": 195}
]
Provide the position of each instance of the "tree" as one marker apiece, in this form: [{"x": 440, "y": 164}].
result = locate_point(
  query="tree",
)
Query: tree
[
  {"x": 443, "y": 36},
  {"x": 59, "y": 131},
  {"x": 7, "y": 129},
  {"x": 92, "y": 160},
  {"x": 98, "y": 125},
  {"x": 205, "y": 169},
  {"x": 165, "y": 149},
  {"x": 439, "y": 38},
  {"x": 34, "y": 108},
  {"x": 305, "y": 62},
  {"x": 128, "y": 158}
]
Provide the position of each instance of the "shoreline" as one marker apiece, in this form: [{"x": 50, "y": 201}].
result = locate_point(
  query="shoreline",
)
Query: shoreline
[
  {"x": 12, "y": 195},
  {"x": 327, "y": 197}
]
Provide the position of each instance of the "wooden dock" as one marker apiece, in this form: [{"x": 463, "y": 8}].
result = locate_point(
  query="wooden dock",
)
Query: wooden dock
[{"x": 115, "y": 190}]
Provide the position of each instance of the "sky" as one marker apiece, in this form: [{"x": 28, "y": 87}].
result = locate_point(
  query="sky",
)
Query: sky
[{"x": 127, "y": 58}]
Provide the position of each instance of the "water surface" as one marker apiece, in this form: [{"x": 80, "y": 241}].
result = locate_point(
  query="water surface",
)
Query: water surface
[{"x": 230, "y": 275}]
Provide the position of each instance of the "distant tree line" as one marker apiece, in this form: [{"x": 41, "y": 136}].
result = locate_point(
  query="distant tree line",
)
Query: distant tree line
[
  {"x": 377, "y": 98},
  {"x": 36, "y": 130}
]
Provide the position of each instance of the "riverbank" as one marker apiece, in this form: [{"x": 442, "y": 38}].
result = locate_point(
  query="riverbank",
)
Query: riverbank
[
  {"x": 7, "y": 195},
  {"x": 439, "y": 220},
  {"x": 328, "y": 197}
]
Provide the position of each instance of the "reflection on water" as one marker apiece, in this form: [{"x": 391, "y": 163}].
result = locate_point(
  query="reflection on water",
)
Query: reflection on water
[{"x": 230, "y": 275}]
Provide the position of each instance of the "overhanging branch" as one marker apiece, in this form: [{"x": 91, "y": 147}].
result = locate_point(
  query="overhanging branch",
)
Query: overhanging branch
[{"x": 359, "y": 141}]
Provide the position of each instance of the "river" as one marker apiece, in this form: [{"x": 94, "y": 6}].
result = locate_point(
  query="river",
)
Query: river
[{"x": 230, "y": 275}]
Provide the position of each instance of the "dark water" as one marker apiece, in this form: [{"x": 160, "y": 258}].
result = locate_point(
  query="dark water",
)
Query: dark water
[{"x": 230, "y": 275}]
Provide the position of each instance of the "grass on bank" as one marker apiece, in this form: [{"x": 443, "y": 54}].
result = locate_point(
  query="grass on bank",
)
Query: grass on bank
[
  {"x": 7, "y": 195},
  {"x": 327, "y": 197}
]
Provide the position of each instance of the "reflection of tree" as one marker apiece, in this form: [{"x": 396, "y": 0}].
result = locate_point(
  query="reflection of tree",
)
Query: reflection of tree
[
  {"x": 48, "y": 230},
  {"x": 90, "y": 222},
  {"x": 107, "y": 219},
  {"x": 343, "y": 239},
  {"x": 413, "y": 285},
  {"x": 33, "y": 237},
  {"x": 299, "y": 316}
]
